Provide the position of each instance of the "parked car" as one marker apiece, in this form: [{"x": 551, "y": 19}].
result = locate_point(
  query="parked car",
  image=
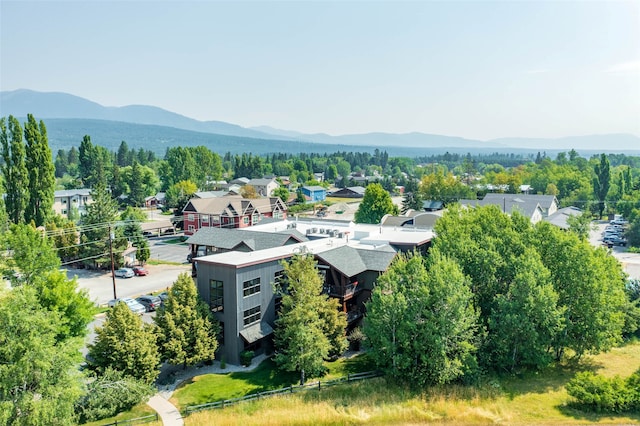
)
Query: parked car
[
  {"x": 151, "y": 303},
  {"x": 134, "y": 306},
  {"x": 163, "y": 296},
  {"x": 124, "y": 273},
  {"x": 140, "y": 271},
  {"x": 615, "y": 241}
]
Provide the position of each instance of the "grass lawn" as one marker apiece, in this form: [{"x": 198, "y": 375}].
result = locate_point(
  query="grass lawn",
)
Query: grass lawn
[
  {"x": 216, "y": 387},
  {"x": 532, "y": 399},
  {"x": 139, "y": 410}
]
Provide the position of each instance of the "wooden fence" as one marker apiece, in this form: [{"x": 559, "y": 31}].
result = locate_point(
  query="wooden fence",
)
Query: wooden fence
[
  {"x": 137, "y": 420},
  {"x": 290, "y": 389}
]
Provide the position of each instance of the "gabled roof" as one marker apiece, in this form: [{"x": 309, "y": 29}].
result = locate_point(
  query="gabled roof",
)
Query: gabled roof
[
  {"x": 230, "y": 239},
  {"x": 261, "y": 182},
  {"x": 560, "y": 217},
  {"x": 240, "y": 181},
  {"x": 210, "y": 194},
  {"x": 508, "y": 203},
  {"x": 351, "y": 261},
  {"x": 545, "y": 201}
]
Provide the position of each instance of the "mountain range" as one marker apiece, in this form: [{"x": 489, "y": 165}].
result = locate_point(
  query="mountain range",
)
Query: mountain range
[{"x": 68, "y": 118}]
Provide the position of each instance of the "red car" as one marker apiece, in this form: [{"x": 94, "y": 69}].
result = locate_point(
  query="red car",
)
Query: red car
[{"x": 140, "y": 271}]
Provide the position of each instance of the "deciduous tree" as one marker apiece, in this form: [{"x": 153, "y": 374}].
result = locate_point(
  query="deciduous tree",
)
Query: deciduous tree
[
  {"x": 126, "y": 344},
  {"x": 601, "y": 182},
  {"x": 375, "y": 204},
  {"x": 39, "y": 162}
]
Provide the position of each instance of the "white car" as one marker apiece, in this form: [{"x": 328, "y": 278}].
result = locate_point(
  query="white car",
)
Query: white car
[
  {"x": 124, "y": 273},
  {"x": 135, "y": 306}
]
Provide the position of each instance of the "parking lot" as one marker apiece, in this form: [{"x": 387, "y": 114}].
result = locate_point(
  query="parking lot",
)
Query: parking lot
[{"x": 630, "y": 261}]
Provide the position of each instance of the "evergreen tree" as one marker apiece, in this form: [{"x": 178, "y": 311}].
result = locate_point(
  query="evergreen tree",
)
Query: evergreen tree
[
  {"x": 136, "y": 186},
  {"x": 301, "y": 335},
  {"x": 187, "y": 331},
  {"x": 98, "y": 220},
  {"x": 412, "y": 198},
  {"x": 39, "y": 162},
  {"x": 14, "y": 169},
  {"x": 124, "y": 343}
]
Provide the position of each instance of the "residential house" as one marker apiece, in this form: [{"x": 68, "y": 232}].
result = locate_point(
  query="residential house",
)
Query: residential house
[
  {"x": 67, "y": 199},
  {"x": 242, "y": 289},
  {"x": 264, "y": 187},
  {"x": 349, "y": 192},
  {"x": 533, "y": 207},
  {"x": 230, "y": 212},
  {"x": 156, "y": 201},
  {"x": 314, "y": 193},
  {"x": 559, "y": 218}
]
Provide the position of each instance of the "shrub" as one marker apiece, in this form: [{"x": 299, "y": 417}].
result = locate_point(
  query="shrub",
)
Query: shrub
[
  {"x": 355, "y": 339},
  {"x": 110, "y": 394},
  {"x": 600, "y": 394},
  {"x": 246, "y": 357}
]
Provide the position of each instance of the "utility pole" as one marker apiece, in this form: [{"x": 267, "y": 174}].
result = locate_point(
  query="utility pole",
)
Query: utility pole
[{"x": 113, "y": 272}]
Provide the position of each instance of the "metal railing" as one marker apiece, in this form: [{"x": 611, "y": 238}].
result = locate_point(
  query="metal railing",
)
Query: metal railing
[
  {"x": 137, "y": 420},
  {"x": 288, "y": 390}
]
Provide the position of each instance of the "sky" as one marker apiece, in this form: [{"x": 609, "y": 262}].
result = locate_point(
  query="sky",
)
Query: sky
[{"x": 475, "y": 69}]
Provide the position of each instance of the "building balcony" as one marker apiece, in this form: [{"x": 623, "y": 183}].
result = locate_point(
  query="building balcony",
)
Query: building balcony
[{"x": 344, "y": 292}]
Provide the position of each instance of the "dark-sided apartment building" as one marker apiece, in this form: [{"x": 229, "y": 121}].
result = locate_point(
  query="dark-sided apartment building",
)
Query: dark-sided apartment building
[{"x": 239, "y": 280}]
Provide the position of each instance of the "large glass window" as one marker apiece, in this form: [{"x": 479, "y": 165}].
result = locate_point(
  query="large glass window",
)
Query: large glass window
[
  {"x": 251, "y": 287},
  {"x": 252, "y": 315},
  {"x": 216, "y": 293},
  {"x": 190, "y": 216}
]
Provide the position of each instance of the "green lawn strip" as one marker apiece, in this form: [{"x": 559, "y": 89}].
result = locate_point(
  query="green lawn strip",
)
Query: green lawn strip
[
  {"x": 140, "y": 410},
  {"x": 216, "y": 387}
]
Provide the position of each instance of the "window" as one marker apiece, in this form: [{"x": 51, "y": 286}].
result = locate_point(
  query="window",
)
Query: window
[
  {"x": 251, "y": 287},
  {"x": 245, "y": 220},
  {"x": 277, "y": 214},
  {"x": 191, "y": 228},
  {"x": 64, "y": 201},
  {"x": 190, "y": 216},
  {"x": 204, "y": 218},
  {"x": 64, "y": 211},
  {"x": 256, "y": 218},
  {"x": 215, "y": 219},
  {"x": 216, "y": 292},
  {"x": 252, "y": 315}
]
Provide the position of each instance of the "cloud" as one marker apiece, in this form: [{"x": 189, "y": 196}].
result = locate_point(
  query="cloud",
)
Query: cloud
[{"x": 624, "y": 67}]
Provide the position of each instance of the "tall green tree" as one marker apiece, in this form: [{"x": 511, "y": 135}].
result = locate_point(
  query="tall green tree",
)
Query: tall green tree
[
  {"x": 42, "y": 181},
  {"x": 421, "y": 322},
  {"x": 124, "y": 343},
  {"x": 412, "y": 199},
  {"x": 187, "y": 330},
  {"x": 301, "y": 334},
  {"x": 14, "y": 169},
  {"x": 39, "y": 378},
  {"x": 601, "y": 182},
  {"x": 96, "y": 224},
  {"x": 375, "y": 204}
]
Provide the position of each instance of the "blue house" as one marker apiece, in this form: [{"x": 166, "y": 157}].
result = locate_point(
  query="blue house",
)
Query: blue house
[{"x": 315, "y": 193}]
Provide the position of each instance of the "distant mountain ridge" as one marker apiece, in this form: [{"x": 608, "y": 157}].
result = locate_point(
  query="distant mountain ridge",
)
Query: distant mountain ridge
[{"x": 57, "y": 105}]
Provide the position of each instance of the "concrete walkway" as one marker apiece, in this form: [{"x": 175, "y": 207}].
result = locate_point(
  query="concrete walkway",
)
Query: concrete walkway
[{"x": 168, "y": 413}]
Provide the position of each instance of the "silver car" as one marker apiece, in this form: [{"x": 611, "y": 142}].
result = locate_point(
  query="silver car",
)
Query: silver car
[
  {"x": 124, "y": 273},
  {"x": 135, "y": 306}
]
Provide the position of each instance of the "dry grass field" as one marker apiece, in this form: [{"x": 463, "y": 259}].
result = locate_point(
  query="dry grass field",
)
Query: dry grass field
[{"x": 535, "y": 399}]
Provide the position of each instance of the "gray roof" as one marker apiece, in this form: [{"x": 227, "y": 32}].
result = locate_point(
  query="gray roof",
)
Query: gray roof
[
  {"x": 560, "y": 217},
  {"x": 261, "y": 182},
  {"x": 229, "y": 239},
  {"x": 508, "y": 203},
  {"x": 545, "y": 201},
  {"x": 351, "y": 261},
  {"x": 210, "y": 194},
  {"x": 72, "y": 192}
]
